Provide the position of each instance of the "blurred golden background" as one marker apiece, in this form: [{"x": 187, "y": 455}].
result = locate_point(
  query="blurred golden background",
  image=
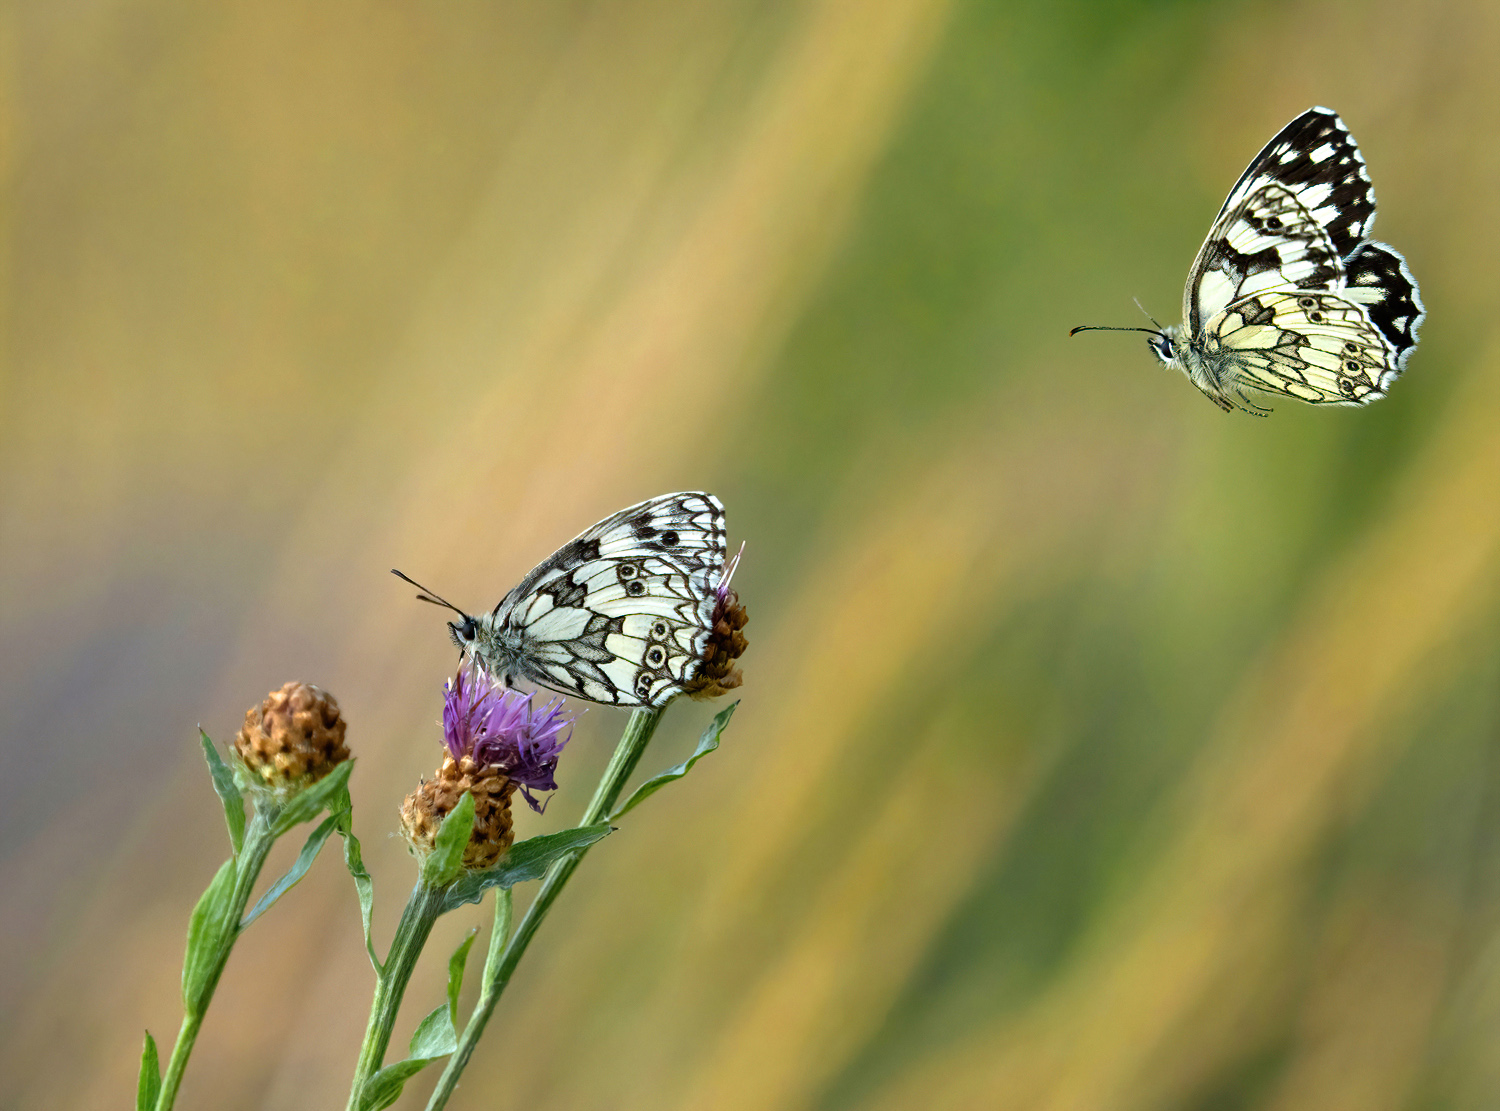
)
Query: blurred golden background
[{"x": 1098, "y": 750}]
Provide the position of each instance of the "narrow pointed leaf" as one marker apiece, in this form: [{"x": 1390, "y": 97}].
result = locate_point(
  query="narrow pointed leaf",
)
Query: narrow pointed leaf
[
  {"x": 309, "y": 802},
  {"x": 499, "y": 935},
  {"x": 148, "y": 1086},
  {"x": 229, "y": 794},
  {"x": 309, "y": 853},
  {"x": 210, "y": 929},
  {"x": 706, "y": 744},
  {"x": 434, "y": 1039},
  {"x": 528, "y": 860},
  {"x": 456, "y": 965},
  {"x": 364, "y": 886},
  {"x": 447, "y": 856}
]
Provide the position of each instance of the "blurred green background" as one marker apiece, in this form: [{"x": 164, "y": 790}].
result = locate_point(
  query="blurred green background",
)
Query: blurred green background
[{"x": 1098, "y": 750}]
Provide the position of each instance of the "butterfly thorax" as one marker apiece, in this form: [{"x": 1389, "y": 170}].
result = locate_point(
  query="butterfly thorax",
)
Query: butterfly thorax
[
  {"x": 1205, "y": 362},
  {"x": 498, "y": 647}
]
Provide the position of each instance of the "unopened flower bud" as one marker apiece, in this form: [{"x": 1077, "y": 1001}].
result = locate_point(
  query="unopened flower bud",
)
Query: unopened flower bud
[
  {"x": 293, "y": 738},
  {"x": 426, "y": 807}
]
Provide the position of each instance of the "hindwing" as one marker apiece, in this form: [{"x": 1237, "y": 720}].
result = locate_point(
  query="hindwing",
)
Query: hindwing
[{"x": 1316, "y": 346}]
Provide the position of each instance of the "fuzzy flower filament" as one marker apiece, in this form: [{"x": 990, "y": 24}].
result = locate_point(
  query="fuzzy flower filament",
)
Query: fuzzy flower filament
[{"x": 495, "y": 726}]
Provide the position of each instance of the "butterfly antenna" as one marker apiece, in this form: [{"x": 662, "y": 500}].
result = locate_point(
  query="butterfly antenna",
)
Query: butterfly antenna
[
  {"x": 1146, "y": 314},
  {"x": 730, "y": 567},
  {"x": 1105, "y": 328},
  {"x": 428, "y": 595}
]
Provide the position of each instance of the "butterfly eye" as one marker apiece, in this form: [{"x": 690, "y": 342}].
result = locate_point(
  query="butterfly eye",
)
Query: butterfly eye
[
  {"x": 628, "y": 571},
  {"x": 1315, "y": 317},
  {"x": 659, "y": 629},
  {"x": 643, "y": 685},
  {"x": 635, "y": 588},
  {"x": 1352, "y": 367},
  {"x": 669, "y": 539},
  {"x": 657, "y": 656},
  {"x": 1306, "y": 302},
  {"x": 1273, "y": 222},
  {"x": 1351, "y": 347}
]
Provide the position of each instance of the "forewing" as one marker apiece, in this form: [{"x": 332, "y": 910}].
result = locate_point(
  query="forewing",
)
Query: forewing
[
  {"x": 1268, "y": 241},
  {"x": 1317, "y": 160},
  {"x": 1316, "y": 346},
  {"x": 1314, "y": 162},
  {"x": 621, "y": 614}
]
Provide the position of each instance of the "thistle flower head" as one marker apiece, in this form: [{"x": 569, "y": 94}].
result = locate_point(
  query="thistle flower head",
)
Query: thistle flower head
[
  {"x": 293, "y": 738},
  {"x": 495, "y": 726},
  {"x": 726, "y": 640}
]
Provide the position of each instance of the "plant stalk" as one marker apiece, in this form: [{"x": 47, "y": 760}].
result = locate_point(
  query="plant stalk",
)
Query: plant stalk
[
  {"x": 627, "y": 754},
  {"x": 252, "y": 858},
  {"x": 422, "y": 910}
]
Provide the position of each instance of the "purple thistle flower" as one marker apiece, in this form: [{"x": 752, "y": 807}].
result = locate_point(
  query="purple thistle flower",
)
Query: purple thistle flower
[{"x": 495, "y": 726}]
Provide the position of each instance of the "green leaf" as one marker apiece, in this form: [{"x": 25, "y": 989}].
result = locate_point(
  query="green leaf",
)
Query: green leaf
[
  {"x": 229, "y": 794},
  {"x": 528, "y": 860},
  {"x": 456, "y": 972},
  {"x": 309, "y": 853},
  {"x": 499, "y": 935},
  {"x": 148, "y": 1087},
  {"x": 446, "y": 860},
  {"x": 211, "y": 929},
  {"x": 309, "y": 802},
  {"x": 364, "y": 886},
  {"x": 434, "y": 1039},
  {"x": 384, "y": 1088},
  {"x": 706, "y": 744}
]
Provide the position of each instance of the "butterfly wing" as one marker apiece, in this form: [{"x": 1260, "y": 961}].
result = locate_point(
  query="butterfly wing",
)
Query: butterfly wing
[
  {"x": 1316, "y": 346},
  {"x": 1317, "y": 159},
  {"x": 621, "y": 614},
  {"x": 1301, "y": 207},
  {"x": 1378, "y": 279}
]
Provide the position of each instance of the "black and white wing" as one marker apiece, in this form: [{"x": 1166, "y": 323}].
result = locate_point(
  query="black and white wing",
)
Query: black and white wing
[
  {"x": 1297, "y": 222},
  {"x": 622, "y": 613},
  {"x": 1318, "y": 347}
]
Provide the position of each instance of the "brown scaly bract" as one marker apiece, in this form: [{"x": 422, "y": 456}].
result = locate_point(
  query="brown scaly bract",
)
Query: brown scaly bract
[
  {"x": 426, "y": 807},
  {"x": 293, "y": 738}
]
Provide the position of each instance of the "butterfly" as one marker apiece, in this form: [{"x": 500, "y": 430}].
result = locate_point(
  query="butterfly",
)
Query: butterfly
[
  {"x": 1288, "y": 294},
  {"x": 621, "y": 614}
]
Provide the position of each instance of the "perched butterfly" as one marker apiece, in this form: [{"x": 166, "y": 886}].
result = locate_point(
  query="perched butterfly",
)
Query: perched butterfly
[
  {"x": 1288, "y": 294},
  {"x": 621, "y": 614}
]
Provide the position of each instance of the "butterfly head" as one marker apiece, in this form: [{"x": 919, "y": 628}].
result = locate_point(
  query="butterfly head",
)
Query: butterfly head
[
  {"x": 463, "y": 632},
  {"x": 1163, "y": 345}
]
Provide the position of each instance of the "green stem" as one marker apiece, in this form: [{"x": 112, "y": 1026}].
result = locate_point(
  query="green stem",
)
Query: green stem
[
  {"x": 498, "y": 973},
  {"x": 252, "y": 858},
  {"x": 422, "y": 910}
]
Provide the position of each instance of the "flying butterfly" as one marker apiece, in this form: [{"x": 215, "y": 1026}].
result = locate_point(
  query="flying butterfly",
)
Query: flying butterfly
[
  {"x": 621, "y": 614},
  {"x": 1288, "y": 294}
]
